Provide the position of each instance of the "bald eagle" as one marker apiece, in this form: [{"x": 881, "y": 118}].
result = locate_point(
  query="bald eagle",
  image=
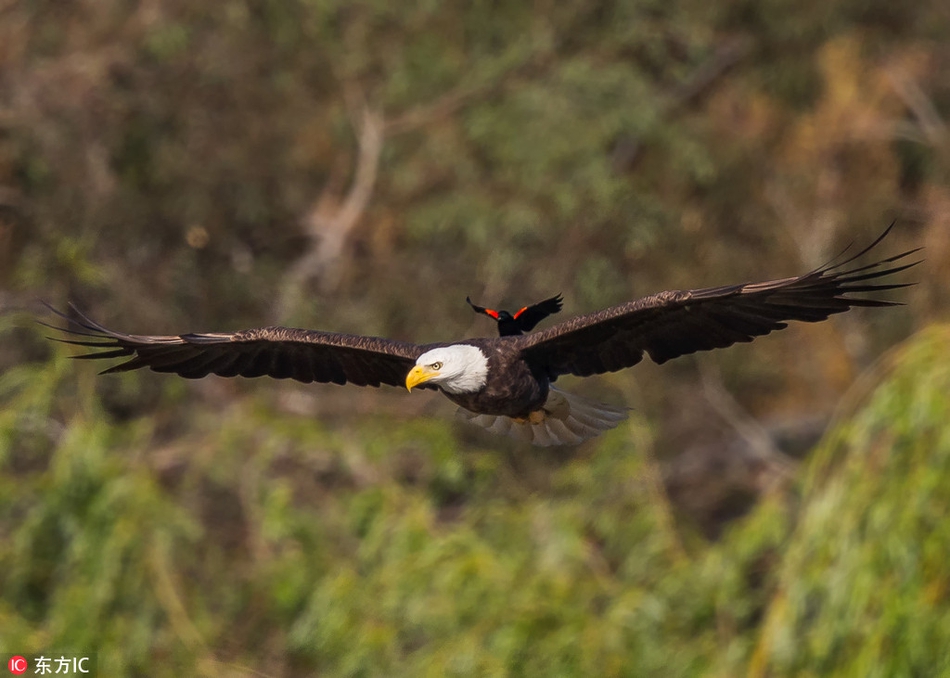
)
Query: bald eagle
[{"x": 505, "y": 383}]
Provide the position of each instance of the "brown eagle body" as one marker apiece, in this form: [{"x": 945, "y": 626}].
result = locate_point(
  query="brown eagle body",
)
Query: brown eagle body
[
  {"x": 512, "y": 388},
  {"x": 505, "y": 383}
]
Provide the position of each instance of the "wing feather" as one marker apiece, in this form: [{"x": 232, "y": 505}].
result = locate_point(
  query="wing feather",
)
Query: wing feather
[
  {"x": 529, "y": 317},
  {"x": 279, "y": 352},
  {"x": 235, "y": 366},
  {"x": 675, "y": 323}
]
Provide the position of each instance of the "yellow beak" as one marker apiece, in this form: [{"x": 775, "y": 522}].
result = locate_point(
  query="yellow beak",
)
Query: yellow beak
[{"x": 419, "y": 375}]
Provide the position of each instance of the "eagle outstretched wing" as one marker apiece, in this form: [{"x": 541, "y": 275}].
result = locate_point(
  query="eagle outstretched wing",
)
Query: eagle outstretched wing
[
  {"x": 278, "y": 352},
  {"x": 679, "y": 322}
]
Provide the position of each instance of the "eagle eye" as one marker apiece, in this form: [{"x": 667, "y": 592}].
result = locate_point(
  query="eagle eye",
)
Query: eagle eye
[{"x": 436, "y": 366}]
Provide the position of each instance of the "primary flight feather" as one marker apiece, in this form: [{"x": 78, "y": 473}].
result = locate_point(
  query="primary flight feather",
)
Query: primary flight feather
[{"x": 505, "y": 383}]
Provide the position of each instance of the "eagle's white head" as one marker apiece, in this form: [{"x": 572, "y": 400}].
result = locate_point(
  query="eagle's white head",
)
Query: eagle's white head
[{"x": 460, "y": 368}]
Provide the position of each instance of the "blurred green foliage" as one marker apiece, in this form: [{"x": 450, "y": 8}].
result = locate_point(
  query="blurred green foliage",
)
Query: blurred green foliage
[
  {"x": 871, "y": 539},
  {"x": 174, "y": 166},
  {"x": 264, "y": 544}
]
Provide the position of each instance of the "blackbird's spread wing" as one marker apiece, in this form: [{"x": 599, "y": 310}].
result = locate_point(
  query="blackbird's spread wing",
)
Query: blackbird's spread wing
[
  {"x": 481, "y": 309},
  {"x": 279, "y": 352},
  {"x": 523, "y": 320},
  {"x": 530, "y": 316},
  {"x": 675, "y": 323}
]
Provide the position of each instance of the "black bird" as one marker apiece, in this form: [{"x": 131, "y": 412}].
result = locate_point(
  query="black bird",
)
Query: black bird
[
  {"x": 523, "y": 320},
  {"x": 506, "y": 383}
]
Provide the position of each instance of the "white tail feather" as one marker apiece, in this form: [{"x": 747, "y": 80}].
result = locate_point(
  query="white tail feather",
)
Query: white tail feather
[{"x": 568, "y": 420}]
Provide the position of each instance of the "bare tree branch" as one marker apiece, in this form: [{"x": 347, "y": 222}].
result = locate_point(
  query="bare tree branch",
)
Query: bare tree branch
[
  {"x": 931, "y": 124},
  {"x": 725, "y": 57},
  {"x": 441, "y": 108},
  {"x": 627, "y": 150},
  {"x": 329, "y": 222},
  {"x": 451, "y": 102},
  {"x": 751, "y": 431}
]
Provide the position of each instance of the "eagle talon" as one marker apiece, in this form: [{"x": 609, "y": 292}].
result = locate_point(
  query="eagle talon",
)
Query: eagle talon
[{"x": 533, "y": 419}]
